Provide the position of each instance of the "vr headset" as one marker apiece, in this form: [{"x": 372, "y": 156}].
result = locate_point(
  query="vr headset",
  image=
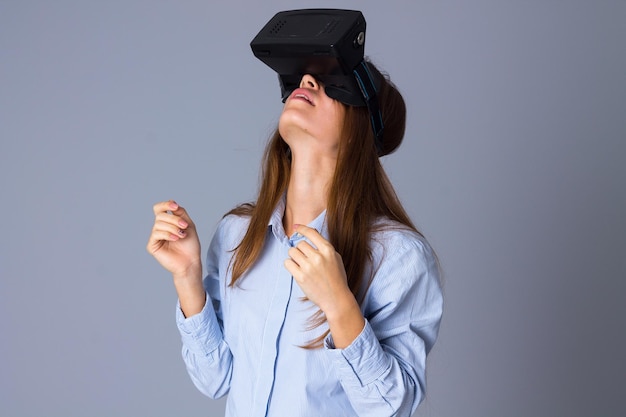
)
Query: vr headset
[{"x": 329, "y": 44}]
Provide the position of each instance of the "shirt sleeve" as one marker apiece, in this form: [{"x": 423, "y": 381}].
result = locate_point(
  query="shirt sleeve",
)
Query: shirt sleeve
[
  {"x": 206, "y": 354},
  {"x": 383, "y": 371}
]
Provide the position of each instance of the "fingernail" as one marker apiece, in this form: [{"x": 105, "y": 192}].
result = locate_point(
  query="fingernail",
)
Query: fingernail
[
  {"x": 181, "y": 232},
  {"x": 182, "y": 223},
  {"x": 173, "y": 205}
]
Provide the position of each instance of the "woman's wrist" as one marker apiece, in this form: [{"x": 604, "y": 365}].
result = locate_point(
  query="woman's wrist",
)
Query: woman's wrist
[
  {"x": 191, "y": 292},
  {"x": 345, "y": 321}
]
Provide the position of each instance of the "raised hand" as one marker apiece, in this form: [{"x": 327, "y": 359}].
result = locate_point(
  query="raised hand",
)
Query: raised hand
[
  {"x": 174, "y": 241},
  {"x": 175, "y": 245}
]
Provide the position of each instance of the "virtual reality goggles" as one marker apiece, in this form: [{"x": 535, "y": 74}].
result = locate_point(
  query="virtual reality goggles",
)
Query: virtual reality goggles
[{"x": 328, "y": 44}]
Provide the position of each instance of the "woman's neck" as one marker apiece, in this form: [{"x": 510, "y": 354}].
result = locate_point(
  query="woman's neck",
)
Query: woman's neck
[{"x": 307, "y": 192}]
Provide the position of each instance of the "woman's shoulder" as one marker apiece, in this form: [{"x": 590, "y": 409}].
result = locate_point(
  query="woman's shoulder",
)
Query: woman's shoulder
[
  {"x": 234, "y": 220},
  {"x": 395, "y": 245},
  {"x": 231, "y": 228},
  {"x": 388, "y": 233},
  {"x": 402, "y": 259},
  {"x": 238, "y": 216}
]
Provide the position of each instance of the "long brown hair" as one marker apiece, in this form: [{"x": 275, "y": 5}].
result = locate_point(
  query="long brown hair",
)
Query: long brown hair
[{"x": 360, "y": 193}]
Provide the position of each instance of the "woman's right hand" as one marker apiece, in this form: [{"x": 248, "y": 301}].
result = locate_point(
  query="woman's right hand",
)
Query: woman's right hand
[{"x": 174, "y": 241}]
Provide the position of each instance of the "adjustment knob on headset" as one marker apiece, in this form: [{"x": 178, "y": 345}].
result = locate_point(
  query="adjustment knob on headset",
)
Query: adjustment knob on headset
[{"x": 359, "y": 40}]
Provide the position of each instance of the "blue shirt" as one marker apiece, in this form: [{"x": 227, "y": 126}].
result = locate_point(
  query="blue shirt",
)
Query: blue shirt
[{"x": 247, "y": 340}]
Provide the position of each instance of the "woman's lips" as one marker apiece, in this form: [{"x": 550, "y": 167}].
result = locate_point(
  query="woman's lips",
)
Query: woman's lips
[{"x": 302, "y": 94}]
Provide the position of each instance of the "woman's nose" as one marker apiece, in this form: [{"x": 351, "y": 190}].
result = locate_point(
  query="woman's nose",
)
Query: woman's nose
[{"x": 308, "y": 81}]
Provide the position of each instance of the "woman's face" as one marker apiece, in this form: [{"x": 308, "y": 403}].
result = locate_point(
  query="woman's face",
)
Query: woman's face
[{"x": 311, "y": 117}]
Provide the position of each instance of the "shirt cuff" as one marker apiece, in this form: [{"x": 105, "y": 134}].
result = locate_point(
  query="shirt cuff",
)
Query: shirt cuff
[
  {"x": 363, "y": 361},
  {"x": 200, "y": 333}
]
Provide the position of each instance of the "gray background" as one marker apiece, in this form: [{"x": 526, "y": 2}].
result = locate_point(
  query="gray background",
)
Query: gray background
[{"x": 513, "y": 166}]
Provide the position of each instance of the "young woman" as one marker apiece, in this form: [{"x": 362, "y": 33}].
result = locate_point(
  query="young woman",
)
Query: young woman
[{"x": 321, "y": 298}]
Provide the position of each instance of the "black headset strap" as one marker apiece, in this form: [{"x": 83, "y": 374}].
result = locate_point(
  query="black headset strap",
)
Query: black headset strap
[{"x": 369, "y": 91}]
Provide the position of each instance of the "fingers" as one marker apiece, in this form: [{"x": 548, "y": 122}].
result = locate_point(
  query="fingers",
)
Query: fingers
[
  {"x": 304, "y": 256},
  {"x": 292, "y": 267},
  {"x": 297, "y": 256},
  {"x": 161, "y": 234},
  {"x": 171, "y": 212},
  {"x": 171, "y": 207},
  {"x": 168, "y": 230},
  {"x": 315, "y": 237},
  {"x": 306, "y": 248},
  {"x": 164, "y": 207},
  {"x": 171, "y": 223}
]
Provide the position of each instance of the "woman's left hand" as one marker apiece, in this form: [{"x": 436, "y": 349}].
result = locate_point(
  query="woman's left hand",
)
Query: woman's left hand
[{"x": 319, "y": 271}]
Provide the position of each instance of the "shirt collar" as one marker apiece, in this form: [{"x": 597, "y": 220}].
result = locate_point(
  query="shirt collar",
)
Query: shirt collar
[{"x": 276, "y": 221}]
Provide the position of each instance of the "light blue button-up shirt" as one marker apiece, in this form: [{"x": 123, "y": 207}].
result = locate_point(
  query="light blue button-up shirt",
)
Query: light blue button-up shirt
[{"x": 247, "y": 340}]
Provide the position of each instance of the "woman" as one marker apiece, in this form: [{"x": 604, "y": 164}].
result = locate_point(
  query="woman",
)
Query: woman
[{"x": 321, "y": 299}]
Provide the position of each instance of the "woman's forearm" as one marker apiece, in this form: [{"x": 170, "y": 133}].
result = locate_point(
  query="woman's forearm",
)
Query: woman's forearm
[{"x": 191, "y": 293}]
